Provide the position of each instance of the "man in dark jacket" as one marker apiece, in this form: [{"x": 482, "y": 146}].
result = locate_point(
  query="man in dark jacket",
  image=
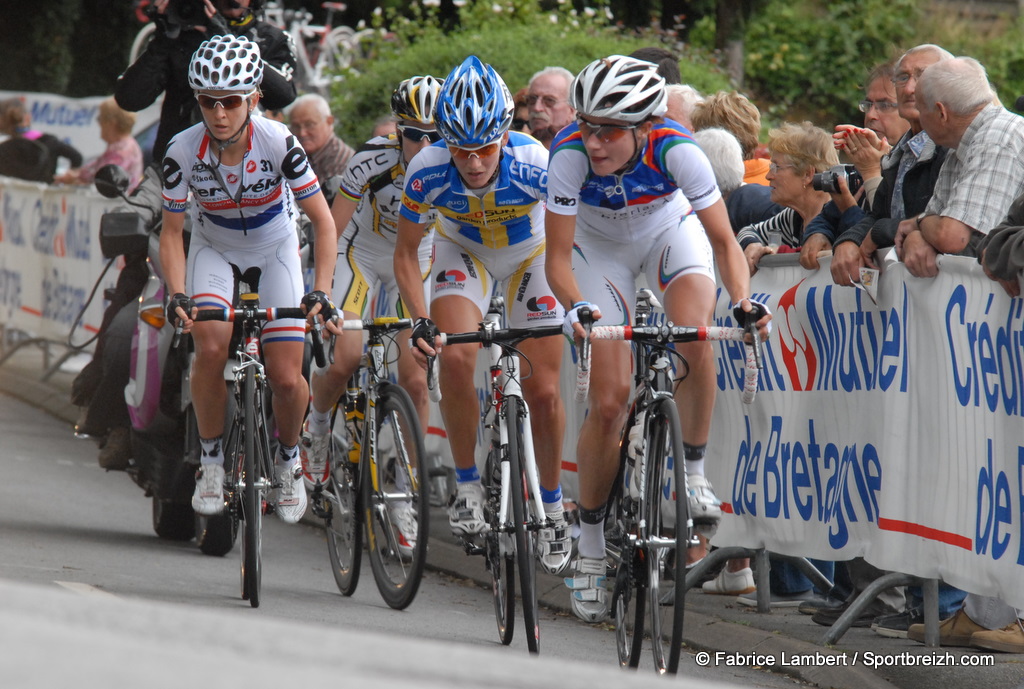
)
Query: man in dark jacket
[
  {"x": 163, "y": 66},
  {"x": 908, "y": 177}
]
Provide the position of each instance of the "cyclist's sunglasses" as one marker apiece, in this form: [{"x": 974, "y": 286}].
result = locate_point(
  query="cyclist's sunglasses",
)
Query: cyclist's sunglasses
[
  {"x": 416, "y": 134},
  {"x": 465, "y": 153},
  {"x": 605, "y": 133},
  {"x": 231, "y": 102}
]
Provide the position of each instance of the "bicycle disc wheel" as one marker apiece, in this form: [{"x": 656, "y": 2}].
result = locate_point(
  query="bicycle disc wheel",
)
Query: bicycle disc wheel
[
  {"x": 344, "y": 523},
  {"x": 252, "y": 512},
  {"x": 664, "y": 445},
  {"x": 499, "y": 546},
  {"x": 525, "y": 554},
  {"x": 397, "y": 517}
]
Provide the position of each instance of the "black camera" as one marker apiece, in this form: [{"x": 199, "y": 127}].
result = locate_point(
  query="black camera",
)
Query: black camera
[
  {"x": 180, "y": 14},
  {"x": 829, "y": 179}
]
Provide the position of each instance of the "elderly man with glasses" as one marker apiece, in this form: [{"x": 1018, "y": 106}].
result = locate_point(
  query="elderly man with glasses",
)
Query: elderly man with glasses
[{"x": 547, "y": 98}]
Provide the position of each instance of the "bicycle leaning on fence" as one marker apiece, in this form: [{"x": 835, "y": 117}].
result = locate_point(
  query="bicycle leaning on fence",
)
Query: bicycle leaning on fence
[
  {"x": 647, "y": 529},
  {"x": 513, "y": 510},
  {"x": 249, "y": 469},
  {"x": 377, "y": 460}
]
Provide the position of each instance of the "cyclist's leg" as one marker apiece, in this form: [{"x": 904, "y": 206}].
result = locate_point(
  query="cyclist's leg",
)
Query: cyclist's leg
[
  {"x": 209, "y": 278},
  {"x": 689, "y": 299},
  {"x": 534, "y": 306},
  {"x": 458, "y": 305},
  {"x": 606, "y": 284}
]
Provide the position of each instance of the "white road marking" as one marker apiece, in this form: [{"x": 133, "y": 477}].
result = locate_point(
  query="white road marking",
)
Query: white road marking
[{"x": 85, "y": 589}]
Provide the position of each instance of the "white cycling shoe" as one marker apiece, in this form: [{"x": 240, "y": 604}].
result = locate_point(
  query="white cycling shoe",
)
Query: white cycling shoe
[{"x": 208, "y": 498}]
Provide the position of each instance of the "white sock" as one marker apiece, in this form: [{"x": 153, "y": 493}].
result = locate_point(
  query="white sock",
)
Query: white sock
[
  {"x": 694, "y": 467},
  {"x": 288, "y": 455},
  {"x": 591, "y": 543},
  {"x": 319, "y": 421}
]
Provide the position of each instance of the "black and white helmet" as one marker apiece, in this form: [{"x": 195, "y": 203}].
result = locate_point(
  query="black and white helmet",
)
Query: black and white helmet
[
  {"x": 226, "y": 63},
  {"x": 619, "y": 88}
]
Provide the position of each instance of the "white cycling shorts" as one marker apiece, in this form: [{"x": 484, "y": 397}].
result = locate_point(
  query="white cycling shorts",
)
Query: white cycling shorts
[
  {"x": 529, "y": 302},
  {"x": 363, "y": 267},
  {"x": 212, "y": 279},
  {"x": 606, "y": 269}
]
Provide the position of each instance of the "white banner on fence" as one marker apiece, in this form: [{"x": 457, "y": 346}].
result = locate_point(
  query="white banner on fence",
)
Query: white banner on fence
[
  {"x": 50, "y": 258},
  {"x": 891, "y": 431}
]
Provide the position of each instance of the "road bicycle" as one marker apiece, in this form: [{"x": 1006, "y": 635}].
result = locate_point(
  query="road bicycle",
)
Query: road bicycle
[
  {"x": 649, "y": 527},
  {"x": 376, "y": 457},
  {"x": 249, "y": 469},
  {"x": 513, "y": 509}
]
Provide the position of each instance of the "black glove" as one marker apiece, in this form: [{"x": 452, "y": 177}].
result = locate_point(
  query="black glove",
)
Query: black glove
[
  {"x": 317, "y": 297},
  {"x": 184, "y": 301},
  {"x": 424, "y": 329},
  {"x": 756, "y": 313}
]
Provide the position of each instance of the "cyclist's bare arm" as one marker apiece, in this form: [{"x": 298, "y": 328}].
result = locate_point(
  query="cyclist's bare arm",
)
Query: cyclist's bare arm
[
  {"x": 172, "y": 257},
  {"x": 410, "y": 280},
  {"x": 316, "y": 209},
  {"x": 342, "y": 211},
  {"x": 559, "y": 231}
]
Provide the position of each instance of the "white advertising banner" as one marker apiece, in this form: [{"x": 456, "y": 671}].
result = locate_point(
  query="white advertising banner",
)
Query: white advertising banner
[
  {"x": 50, "y": 258},
  {"x": 891, "y": 430}
]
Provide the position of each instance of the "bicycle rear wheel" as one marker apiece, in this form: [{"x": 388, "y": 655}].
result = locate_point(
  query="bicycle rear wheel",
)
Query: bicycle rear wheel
[
  {"x": 397, "y": 516},
  {"x": 525, "y": 537},
  {"x": 344, "y": 522},
  {"x": 252, "y": 509},
  {"x": 663, "y": 554}
]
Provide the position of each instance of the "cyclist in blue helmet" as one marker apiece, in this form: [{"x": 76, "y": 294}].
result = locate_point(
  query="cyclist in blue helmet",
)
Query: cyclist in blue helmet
[{"x": 487, "y": 185}]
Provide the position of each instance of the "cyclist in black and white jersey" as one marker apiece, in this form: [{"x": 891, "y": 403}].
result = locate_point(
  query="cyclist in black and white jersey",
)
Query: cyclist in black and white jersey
[
  {"x": 245, "y": 174},
  {"x": 366, "y": 217}
]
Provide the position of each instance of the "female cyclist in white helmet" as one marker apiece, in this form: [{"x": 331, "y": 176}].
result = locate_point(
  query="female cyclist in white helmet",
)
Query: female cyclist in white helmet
[
  {"x": 632, "y": 191},
  {"x": 245, "y": 174}
]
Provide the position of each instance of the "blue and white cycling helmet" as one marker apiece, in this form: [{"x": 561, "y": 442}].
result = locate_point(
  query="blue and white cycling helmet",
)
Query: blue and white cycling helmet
[
  {"x": 474, "y": 107},
  {"x": 226, "y": 63},
  {"x": 619, "y": 88}
]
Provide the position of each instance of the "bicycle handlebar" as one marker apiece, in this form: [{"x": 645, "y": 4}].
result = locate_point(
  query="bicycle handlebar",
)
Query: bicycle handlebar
[
  {"x": 270, "y": 313},
  {"x": 663, "y": 334},
  {"x": 504, "y": 336}
]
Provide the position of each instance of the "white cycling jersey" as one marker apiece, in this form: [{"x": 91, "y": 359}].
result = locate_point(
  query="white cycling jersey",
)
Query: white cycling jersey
[
  {"x": 242, "y": 206},
  {"x": 244, "y": 224}
]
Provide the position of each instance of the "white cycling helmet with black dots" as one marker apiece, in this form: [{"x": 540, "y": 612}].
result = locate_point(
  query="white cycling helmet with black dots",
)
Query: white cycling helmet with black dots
[
  {"x": 619, "y": 88},
  {"x": 415, "y": 99},
  {"x": 226, "y": 63},
  {"x": 474, "y": 106}
]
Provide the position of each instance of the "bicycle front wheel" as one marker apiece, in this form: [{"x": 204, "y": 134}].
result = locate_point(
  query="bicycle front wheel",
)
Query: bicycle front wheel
[
  {"x": 499, "y": 551},
  {"x": 665, "y": 555},
  {"x": 344, "y": 522},
  {"x": 525, "y": 554},
  {"x": 629, "y": 594},
  {"x": 252, "y": 509},
  {"x": 397, "y": 517}
]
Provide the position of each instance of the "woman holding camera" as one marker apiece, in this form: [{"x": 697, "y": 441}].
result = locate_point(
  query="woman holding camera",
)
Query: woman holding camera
[{"x": 799, "y": 152}]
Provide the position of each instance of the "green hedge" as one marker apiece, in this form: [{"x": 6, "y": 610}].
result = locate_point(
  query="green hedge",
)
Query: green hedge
[{"x": 518, "y": 41}]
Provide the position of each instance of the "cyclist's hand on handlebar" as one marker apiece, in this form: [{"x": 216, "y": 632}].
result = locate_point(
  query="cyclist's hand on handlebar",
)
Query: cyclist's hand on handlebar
[
  {"x": 750, "y": 310},
  {"x": 317, "y": 302},
  {"x": 181, "y": 307},
  {"x": 425, "y": 340},
  {"x": 581, "y": 314}
]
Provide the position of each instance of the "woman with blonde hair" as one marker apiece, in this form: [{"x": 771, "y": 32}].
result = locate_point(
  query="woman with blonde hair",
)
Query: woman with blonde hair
[{"x": 122, "y": 149}]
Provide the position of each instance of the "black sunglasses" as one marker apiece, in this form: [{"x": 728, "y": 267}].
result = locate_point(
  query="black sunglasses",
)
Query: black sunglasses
[{"x": 519, "y": 124}]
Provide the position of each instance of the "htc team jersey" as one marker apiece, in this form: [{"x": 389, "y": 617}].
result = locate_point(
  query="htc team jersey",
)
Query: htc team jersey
[
  {"x": 246, "y": 205},
  {"x": 373, "y": 179},
  {"x": 509, "y": 214},
  {"x": 671, "y": 178}
]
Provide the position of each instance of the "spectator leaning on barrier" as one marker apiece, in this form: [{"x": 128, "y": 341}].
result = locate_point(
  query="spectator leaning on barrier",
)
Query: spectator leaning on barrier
[
  {"x": 28, "y": 153},
  {"x": 122, "y": 149},
  {"x": 865, "y": 146},
  {"x": 798, "y": 152},
  {"x": 979, "y": 179}
]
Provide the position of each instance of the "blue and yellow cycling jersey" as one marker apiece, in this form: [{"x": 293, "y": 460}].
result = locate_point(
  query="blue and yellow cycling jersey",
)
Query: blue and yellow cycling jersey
[
  {"x": 671, "y": 178},
  {"x": 509, "y": 213}
]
